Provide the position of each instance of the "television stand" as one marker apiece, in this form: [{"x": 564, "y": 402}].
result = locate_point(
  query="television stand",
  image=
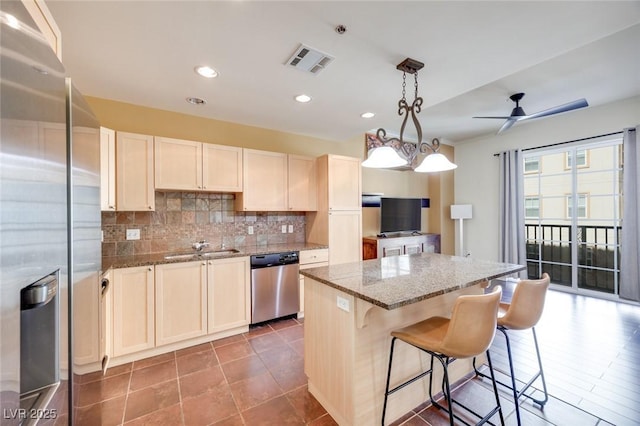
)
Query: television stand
[{"x": 394, "y": 244}]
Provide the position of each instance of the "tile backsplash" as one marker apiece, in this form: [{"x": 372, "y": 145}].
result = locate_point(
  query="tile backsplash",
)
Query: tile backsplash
[{"x": 182, "y": 218}]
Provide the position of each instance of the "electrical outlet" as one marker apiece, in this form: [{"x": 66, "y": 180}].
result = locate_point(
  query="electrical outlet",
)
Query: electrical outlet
[
  {"x": 102, "y": 236},
  {"x": 291, "y": 229},
  {"x": 250, "y": 230},
  {"x": 343, "y": 304},
  {"x": 133, "y": 234},
  {"x": 284, "y": 229}
]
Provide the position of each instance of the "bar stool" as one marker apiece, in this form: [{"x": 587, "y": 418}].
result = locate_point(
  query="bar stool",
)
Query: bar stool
[
  {"x": 467, "y": 334},
  {"x": 522, "y": 313}
]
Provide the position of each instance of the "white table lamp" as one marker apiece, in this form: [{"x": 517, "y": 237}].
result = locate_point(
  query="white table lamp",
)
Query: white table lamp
[{"x": 460, "y": 212}]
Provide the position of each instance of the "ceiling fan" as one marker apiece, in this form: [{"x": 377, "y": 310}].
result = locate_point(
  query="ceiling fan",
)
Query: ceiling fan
[{"x": 518, "y": 114}]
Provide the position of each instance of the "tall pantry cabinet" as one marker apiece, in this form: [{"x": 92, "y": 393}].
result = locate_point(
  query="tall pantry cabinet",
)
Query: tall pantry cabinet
[{"x": 338, "y": 221}]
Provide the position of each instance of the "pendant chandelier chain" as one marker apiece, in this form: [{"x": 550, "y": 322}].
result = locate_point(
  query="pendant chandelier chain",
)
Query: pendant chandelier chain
[{"x": 404, "y": 86}]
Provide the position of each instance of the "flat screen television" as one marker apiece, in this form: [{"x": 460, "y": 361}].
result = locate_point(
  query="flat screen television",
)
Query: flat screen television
[{"x": 400, "y": 215}]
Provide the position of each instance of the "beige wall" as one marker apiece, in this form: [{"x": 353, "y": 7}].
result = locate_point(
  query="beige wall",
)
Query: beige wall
[
  {"x": 477, "y": 174},
  {"x": 438, "y": 187}
]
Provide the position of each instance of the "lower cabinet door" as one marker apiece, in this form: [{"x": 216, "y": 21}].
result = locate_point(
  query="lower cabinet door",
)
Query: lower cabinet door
[
  {"x": 133, "y": 310},
  {"x": 228, "y": 294},
  {"x": 181, "y": 301}
]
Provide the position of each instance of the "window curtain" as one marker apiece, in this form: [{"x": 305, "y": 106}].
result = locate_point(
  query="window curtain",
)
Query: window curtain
[
  {"x": 630, "y": 240},
  {"x": 511, "y": 220}
]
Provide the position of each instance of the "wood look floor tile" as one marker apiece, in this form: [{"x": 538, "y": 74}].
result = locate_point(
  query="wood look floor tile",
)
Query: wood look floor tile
[
  {"x": 195, "y": 384},
  {"x": 255, "y": 390},
  {"x": 148, "y": 376},
  {"x": 209, "y": 407},
  {"x": 150, "y": 399},
  {"x": 275, "y": 412},
  {"x": 234, "y": 351}
]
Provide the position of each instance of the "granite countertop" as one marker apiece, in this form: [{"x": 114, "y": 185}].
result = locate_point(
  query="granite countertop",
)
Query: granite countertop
[
  {"x": 395, "y": 281},
  {"x": 159, "y": 258}
]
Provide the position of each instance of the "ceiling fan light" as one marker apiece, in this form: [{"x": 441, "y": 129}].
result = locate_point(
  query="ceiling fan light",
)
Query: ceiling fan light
[
  {"x": 435, "y": 162},
  {"x": 383, "y": 157}
]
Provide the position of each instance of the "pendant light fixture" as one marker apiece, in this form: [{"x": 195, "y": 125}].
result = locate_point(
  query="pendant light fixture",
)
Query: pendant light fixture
[{"x": 387, "y": 155}]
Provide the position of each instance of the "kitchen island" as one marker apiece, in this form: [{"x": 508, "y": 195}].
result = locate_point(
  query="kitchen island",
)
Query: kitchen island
[{"x": 350, "y": 312}]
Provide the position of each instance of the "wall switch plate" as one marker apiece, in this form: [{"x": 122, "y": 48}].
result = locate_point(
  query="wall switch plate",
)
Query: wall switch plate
[
  {"x": 250, "y": 230},
  {"x": 102, "y": 236},
  {"x": 133, "y": 234},
  {"x": 291, "y": 229},
  {"x": 284, "y": 229},
  {"x": 343, "y": 303}
]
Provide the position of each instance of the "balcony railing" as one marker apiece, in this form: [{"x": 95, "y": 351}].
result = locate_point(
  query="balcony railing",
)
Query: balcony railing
[{"x": 549, "y": 250}]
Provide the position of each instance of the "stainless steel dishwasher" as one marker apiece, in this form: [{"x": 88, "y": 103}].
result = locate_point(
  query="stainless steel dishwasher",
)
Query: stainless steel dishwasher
[{"x": 275, "y": 286}]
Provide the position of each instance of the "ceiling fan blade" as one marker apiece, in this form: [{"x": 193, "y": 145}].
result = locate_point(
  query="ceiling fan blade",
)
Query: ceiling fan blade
[
  {"x": 499, "y": 118},
  {"x": 507, "y": 124},
  {"x": 580, "y": 103}
]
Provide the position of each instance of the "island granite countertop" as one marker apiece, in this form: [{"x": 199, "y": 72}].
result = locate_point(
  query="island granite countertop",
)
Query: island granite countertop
[
  {"x": 129, "y": 261},
  {"x": 395, "y": 281}
]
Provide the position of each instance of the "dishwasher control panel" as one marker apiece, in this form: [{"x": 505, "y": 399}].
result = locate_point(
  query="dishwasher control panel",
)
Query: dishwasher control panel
[{"x": 274, "y": 259}]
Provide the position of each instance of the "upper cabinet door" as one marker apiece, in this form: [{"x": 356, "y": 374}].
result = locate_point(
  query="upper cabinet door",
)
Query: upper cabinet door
[
  {"x": 221, "y": 168},
  {"x": 178, "y": 164},
  {"x": 107, "y": 169},
  {"x": 302, "y": 195},
  {"x": 264, "y": 181},
  {"x": 134, "y": 172},
  {"x": 344, "y": 183},
  {"x": 46, "y": 24}
]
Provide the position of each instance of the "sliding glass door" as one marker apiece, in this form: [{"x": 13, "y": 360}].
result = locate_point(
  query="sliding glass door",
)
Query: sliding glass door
[{"x": 573, "y": 208}]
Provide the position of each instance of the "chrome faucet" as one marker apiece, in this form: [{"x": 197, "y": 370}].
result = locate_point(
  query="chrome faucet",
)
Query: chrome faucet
[{"x": 198, "y": 246}]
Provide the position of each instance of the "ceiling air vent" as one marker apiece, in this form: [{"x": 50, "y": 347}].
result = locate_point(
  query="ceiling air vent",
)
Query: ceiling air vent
[{"x": 309, "y": 60}]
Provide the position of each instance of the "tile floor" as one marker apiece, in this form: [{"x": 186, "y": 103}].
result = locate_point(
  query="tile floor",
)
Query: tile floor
[
  {"x": 252, "y": 379},
  {"x": 257, "y": 378}
]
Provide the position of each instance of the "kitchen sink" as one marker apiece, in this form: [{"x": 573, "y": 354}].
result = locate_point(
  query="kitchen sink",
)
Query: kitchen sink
[
  {"x": 218, "y": 253},
  {"x": 205, "y": 255}
]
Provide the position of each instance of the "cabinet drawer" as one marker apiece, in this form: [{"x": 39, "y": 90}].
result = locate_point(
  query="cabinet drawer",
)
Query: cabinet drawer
[{"x": 314, "y": 256}]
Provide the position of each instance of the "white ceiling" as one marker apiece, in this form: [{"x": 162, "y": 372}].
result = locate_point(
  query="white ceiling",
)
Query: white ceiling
[{"x": 476, "y": 54}]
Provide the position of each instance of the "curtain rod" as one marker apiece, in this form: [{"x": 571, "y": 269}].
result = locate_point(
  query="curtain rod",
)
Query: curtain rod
[{"x": 575, "y": 140}]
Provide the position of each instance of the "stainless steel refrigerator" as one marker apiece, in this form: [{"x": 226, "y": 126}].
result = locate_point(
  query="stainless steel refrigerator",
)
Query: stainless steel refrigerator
[{"x": 49, "y": 222}]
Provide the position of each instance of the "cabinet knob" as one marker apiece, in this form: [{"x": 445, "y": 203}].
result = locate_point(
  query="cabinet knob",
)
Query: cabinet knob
[
  {"x": 204, "y": 263},
  {"x": 150, "y": 208},
  {"x": 112, "y": 208},
  {"x": 150, "y": 269}
]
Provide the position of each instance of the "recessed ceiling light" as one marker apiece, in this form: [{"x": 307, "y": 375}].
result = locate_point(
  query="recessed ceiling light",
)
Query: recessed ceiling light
[
  {"x": 367, "y": 115},
  {"x": 206, "y": 71},
  {"x": 303, "y": 98},
  {"x": 196, "y": 101},
  {"x": 12, "y": 21}
]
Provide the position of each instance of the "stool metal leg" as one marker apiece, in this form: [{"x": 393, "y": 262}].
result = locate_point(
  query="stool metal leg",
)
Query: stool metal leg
[
  {"x": 517, "y": 394},
  {"x": 386, "y": 390}
]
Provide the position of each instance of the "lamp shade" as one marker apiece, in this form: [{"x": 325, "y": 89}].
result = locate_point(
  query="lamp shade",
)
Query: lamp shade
[
  {"x": 435, "y": 162},
  {"x": 383, "y": 157}
]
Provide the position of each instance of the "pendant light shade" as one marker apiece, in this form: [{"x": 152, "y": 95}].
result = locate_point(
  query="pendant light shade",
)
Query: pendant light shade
[
  {"x": 383, "y": 157},
  {"x": 435, "y": 162}
]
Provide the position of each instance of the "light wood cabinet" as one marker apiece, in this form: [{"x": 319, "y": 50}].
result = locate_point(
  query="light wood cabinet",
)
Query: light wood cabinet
[
  {"x": 134, "y": 172},
  {"x": 264, "y": 181},
  {"x": 344, "y": 182},
  {"x": 86, "y": 320},
  {"x": 302, "y": 183},
  {"x": 46, "y": 24},
  {"x": 133, "y": 310},
  {"x": 310, "y": 259},
  {"x": 177, "y": 164},
  {"x": 181, "y": 301},
  {"x": 376, "y": 247},
  {"x": 221, "y": 168},
  {"x": 196, "y": 166},
  {"x": 338, "y": 221},
  {"x": 107, "y": 169},
  {"x": 229, "y": 297}
]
